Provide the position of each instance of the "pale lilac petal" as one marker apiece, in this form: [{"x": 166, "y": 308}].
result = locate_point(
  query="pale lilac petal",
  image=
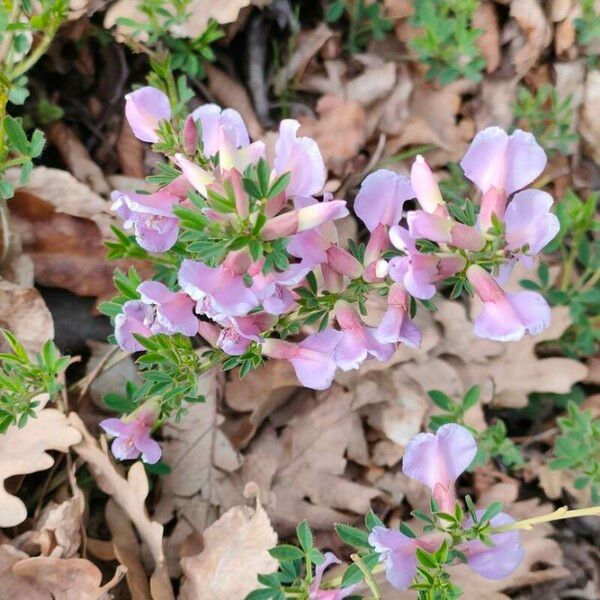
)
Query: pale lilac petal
[
  {"x": 381, "y": 198},
  {"x": 432, "y": 227},
  {"x": 144, "y": 109},
  {"x": 280, "y": 302},
  {"x": 198, "y": 177},
  {"x": 124, "y": 449},
  {"x": 178, "y": 316},
  {"x": 136, "y": 318},
  {"x": 499, "y": 322},
  {"x": 208, "y": 115},
  {"x": 149, "y": 448},
  {"x": 439, "y": 459},
  {"x": 351, "y": 352},
  {"x": 231, "y": 342},
  {"x": 401, "y": 239},
  {"x": 116, "y": 427},
  {"x": 508, "y": 163},
  {"x": 397, "y": 553},
  {"x": 156, "y": 234},
  {"x": 532, "y": 310},
  {"x": 425, "y": 186},
  {"x": 302, "y": 158},
  {"x": 420, "y": 275},
  {"x": 501, "y": 560},
  {"x": 529, "y": 221},
  {"x": 329, "y": 559},
  {"x": 155, "y": 292},
  {"x": 314, "y": 370}
]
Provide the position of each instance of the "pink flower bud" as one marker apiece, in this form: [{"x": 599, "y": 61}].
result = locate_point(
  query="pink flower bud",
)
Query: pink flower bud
[
  {"x": 492, "y": 202},
  {"x": 343, "y": 262},
  {"x": 424, "y": 185},
  {"x": 190, "y": 135},
  {"x": 195, "y": 174}
]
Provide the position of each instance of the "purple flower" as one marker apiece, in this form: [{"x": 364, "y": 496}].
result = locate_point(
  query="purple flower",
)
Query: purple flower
[
  {"x": 239, "y": 332},
  {"x": 273, "y": 289},
  {"x": 151, "y": 215},
  {"x": 219, "y": 290},
  {"x": 381, "y": 198},
  {"x": 145, "y": 109},
  {"x": 437, "y": 460},
  {"x": 301, "y": 157},
  {"x": 397, "y": 552},
  {"x": 316, "y": 593},
  {"x": 503, "y": 558},
  {"x": 396, "y": 325},
  {"x": 312, "y": 358},
  {"x": 358, "y": 340},
  {"x": 224, "y": 133},
  {"x": 136, "y": 318},
  {"x": 174, "y": 311},
  {"x": 530, "y": 223},
  {"x": 509, "y": 163},
  {"x": 418, "y": 272},
  {"x": 443, "y": 229},
  {"x": 506, "y": 317},
  {"x": 132, "y": 438}
]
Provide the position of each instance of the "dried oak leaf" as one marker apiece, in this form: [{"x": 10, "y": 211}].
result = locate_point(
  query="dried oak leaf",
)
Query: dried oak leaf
[
  {"x": 198, "y": 452},
  {"x": 62, "y": 224},
  {"x": 537, "y": 31},
  {"x": 236, "y": 550},
  {"x": 66, "y": 578},
  {"x": 129, "y": 494},
  {"x": 24, "y": 312},
  {"x": 25, "y": 450},
  {"x": 340, "y": 129}
]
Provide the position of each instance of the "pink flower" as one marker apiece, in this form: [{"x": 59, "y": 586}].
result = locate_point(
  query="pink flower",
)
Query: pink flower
[
  {"x": 174, "y": 311},
  {"x": 136, "y": 318},
  {"x": 219, "y": 290},
  {"x": 198, "y": 177},
  {"x": 312, "y": 358},
  {"x": 509, "y": 163},
  {"x": 132, "y": 438},
  {"x": 381, "y": 198},
  {"x": 240, "y": 332},
  {"x": 343, "y": 262},
  {"x": 396, "y": 325},
  {"x": 358, "y": 340},
  {"x": 506, "y": 317},
  {"x": 224, "y": 133},
  {"x": 303, "y": 219},
  {"x": 151, "y": 215},
  {"x": 301, "y": 157},
  {"x": 418, "y": 272},
  {"x": 425, "y": 187},
  {"x": 443, "y": 229},
  {"x": 438, "y": 460},
  {"x": 493, "y": 202},
  {"x": 503, "y": 558},
  {"x": 316, "y": 593},
  {"x": 397, "y": 552},
  {"x": 273, "y": 289},
  {"x": 529, "y": 222},
  {"x": 145, "y": 109}
]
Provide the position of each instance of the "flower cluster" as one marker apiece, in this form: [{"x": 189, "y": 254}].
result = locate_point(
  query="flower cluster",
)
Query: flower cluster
[{"x": 252, "y": 262}]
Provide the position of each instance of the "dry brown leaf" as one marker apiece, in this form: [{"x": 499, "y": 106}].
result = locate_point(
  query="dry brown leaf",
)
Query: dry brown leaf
[
  {"x": 130, "y": 495},
  {"x": 235, "y": 552},
  {"x": 495, "y": 105},
  {"x": 375, "y": 83},
  {"x": 66, "y": 578},
  {"x": 127, "y": 550},
  {"x": 231, "y": 93},
  {"x": 198, "y": 452},
  {"x": 486, "y": 19},
  {"x": 77, "y": 158},
  {"x": 589, "y": 125},
  {"x": 24, "y": 450},
  {"x": 340, "y": 130},
  {"x": 130, "y": 152},
  {"x": 63, "y": 224},
  {"x": 395, "y": 110},
  {"x": 11, "y": 585},
  {"x": 308, "y": 45},
  {"x": 24, "y": 312},
  {"x": 536, "y": 29}
]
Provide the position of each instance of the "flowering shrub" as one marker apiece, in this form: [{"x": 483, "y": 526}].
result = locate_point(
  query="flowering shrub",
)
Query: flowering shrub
[
  {"x": 487, "y": 540},
  {"x": 248, "y": 258}
]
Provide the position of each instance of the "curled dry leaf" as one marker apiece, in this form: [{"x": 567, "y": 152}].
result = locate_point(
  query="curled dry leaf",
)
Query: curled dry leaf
[
  {"x": 486, "y": 19},
  {"x": 130, "y": 495},
  {"x": 537, "y": 31},
  {"x": 236, "y": 550},
  {"x": 25, "y": 450}
]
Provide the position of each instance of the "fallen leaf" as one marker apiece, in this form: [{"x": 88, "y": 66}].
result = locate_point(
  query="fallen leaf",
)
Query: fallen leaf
[
  {"x": 486, "y": 19},
  {"x": 58, "y": 530},
  {"x": 25, "y": 450},
  {"x": 339, "y": 130},
  {"x": 129, "y": 493},
  {"x": 589, "y": 125},
  {"x": 235, "y": 552},
  {"x": 536, "y": 30},
  {"x": 66, "y": 578},
  {"x": 495, "y": 105}
]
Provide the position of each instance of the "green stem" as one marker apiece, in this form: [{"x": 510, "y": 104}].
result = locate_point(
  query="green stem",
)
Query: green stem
[
  {"x": 369, "y": 579},
  {"x": 561, "y": 513},
  {"x": 39, "y": 51}
]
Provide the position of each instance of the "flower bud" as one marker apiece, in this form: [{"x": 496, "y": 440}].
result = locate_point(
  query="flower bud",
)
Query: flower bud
[
  {"x": 424, "y": 185},
  {"x": 190, "y": 135}
]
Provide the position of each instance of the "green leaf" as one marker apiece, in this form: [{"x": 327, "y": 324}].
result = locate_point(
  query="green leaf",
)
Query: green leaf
[
  {"x": 16, "y": 135},
  {"x": 285, "y": 552},
  {"x": 471, "y": 397},
  {"x": 372, "y": 520},
  {"x": 305, "y": 536},
  {"x": 441, "y": 400},
  {"x": 357, "y": 538}
]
